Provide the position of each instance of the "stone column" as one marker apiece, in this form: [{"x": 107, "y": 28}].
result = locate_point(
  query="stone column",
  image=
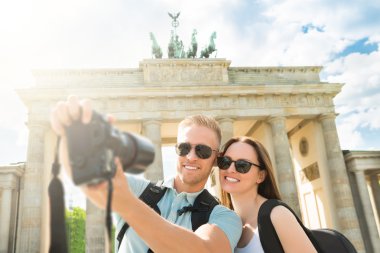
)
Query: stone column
[
  {"x": 368, "y": 211},
  {"x": 152, "y": 130},
  {"x": 5, "y": 218},
  {"x": 227, "y": 128},
  {"x": 284, "y": 164},
  {"x": 95, "y": 229},
  {"x": 346, "y": 214},
  {"x": 374, "y": 181},
  {"x": 31, "y": 219},
  {"x": 226, "y": 125},
  {"x": 329, "y": 207}
]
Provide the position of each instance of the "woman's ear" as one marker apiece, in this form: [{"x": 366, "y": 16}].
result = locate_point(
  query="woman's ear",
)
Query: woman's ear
[{"x": 262, "y": 175}]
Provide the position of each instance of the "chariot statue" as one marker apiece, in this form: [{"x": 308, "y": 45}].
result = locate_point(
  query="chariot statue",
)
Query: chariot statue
[{"x": 176, "y": 48}]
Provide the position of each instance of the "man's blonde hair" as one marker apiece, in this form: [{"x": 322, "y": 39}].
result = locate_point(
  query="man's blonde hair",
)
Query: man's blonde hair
[{"x": 202, "y": 120}]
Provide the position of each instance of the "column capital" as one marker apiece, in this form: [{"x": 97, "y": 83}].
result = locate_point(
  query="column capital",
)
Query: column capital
[
  {"x": 275, "y": 118},
  {"x": 151, "y": 121},
  {"x": 359, "y": 172},
  {"x": 325, "y": 116},
  {"x": 227, "y": 118}
]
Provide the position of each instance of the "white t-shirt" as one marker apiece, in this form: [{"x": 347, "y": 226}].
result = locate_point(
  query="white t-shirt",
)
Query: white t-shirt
[{"x": 254, "y": 245}]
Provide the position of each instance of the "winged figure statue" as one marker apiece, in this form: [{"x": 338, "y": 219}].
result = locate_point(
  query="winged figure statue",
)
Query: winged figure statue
[{"x": 174, "y": 16}]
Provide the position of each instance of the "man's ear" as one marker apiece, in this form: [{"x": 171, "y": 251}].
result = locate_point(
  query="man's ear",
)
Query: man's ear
[{"x": 262, "y": 175}]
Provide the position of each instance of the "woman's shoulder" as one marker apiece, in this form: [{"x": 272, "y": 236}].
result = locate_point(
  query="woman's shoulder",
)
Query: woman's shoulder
[
  {"x": 276, "y": 212},
  {"x": 281, "y": 214}
]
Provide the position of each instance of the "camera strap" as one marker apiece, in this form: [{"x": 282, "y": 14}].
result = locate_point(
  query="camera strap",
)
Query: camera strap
[
  {"x": 108, "y": 215},
  {"x": 58, "y": 240},
  {"x": 58, "y": 237}
]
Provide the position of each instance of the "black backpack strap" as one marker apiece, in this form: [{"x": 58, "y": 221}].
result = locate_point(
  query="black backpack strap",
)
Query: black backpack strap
[
  {"x": 268, "y": 235},
  {"x": 150, "y": 196},
  {"x": 202, "y": 208}
]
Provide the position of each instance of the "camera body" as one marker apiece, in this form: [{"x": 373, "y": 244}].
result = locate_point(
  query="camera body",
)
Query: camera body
[{"x": 93, "y": 146}]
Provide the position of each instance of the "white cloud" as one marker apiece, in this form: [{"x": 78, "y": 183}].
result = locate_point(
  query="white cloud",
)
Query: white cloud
[
  {"x": 359, "y": 101},
  {"x": 349, "y": 137},
  {"x": 12, "y": 111}
]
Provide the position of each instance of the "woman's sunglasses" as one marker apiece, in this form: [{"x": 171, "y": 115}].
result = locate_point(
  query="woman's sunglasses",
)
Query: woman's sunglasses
[
  {"x": 202, "y": 151},
  {"x": 241, "y": 166}
]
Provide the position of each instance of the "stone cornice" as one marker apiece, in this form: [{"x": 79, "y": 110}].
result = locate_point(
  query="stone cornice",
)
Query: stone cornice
[
  {"x": 38, "y": 94},
  {"x": 16, "y": 169},
  {"x": 136, "y": 103},
  {"x": 57, "y": 73},
  {"x": 186, "y": 62},
  {"x": 362, "y": 160},
  {"x": 274, "y": 75},
  {"x": 176, "y": 72},
  {"x": 355, "y": 154},
  {"x": 175, "y": 108},
  {"x": 72, "y": 78},
  {"x": 271, "y": 69}
]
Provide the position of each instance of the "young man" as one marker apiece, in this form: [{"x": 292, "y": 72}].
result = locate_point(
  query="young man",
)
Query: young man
[{"x": 198, "y": 141}]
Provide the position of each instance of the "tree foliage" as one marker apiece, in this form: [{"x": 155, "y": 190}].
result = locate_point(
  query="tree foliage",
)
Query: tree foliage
[{"x": 76, "y": 229}]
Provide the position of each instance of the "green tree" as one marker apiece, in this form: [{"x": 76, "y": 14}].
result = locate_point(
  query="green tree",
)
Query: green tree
[{"x": 76, "y": 229}]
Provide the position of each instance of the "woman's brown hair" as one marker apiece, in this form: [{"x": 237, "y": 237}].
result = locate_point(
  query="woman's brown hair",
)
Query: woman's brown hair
[{"x": 268, "y": 188}]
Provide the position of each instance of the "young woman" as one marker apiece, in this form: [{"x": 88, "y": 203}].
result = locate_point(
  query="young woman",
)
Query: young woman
[{"x": 247, "y": 181}]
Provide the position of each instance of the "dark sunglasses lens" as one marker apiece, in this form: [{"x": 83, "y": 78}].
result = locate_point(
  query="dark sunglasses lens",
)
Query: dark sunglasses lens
[
  {"x": 242, "y": 166},
  {"x": 203, "y": 151},
  {"x": 223, "y": 162},
  {"x": 183, "y": 149}
]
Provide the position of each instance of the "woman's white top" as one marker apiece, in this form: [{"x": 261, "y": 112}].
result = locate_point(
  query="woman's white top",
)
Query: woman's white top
[{"x": 254, "y": 245}]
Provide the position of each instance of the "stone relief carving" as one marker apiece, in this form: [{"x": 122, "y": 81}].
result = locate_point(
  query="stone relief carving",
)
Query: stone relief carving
[
  {"x": 184, "y": 75},
  {"x": 216, "y": 102},
  {"x": 185, "y": 71}
]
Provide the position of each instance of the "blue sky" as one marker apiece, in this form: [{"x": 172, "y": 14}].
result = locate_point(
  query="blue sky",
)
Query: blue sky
[{"x": 342, "y": 36}]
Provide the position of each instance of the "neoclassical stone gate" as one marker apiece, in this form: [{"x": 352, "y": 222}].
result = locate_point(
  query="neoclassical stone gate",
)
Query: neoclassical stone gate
[{"x": 287, "y": 108}]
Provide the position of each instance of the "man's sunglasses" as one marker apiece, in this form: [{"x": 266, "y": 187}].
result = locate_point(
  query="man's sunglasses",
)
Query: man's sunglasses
[
  {"x": 202, "y": 151},
  {"x": 241, "y": 166}
]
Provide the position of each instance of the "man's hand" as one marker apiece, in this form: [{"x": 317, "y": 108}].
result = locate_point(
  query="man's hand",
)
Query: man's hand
[
  {"x": 121, "y": 193},
  {"x": 62, "y": 116}
]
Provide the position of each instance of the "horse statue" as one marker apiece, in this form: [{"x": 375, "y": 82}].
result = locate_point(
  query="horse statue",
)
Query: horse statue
[
  {"x": 192, "y": 52},
  {"x": 156, "y": 49},
  {"x": 207, "y": 51}
]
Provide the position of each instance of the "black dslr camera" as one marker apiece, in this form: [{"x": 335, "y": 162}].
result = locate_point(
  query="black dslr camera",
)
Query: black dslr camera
[{"x": 93, "y": 146}]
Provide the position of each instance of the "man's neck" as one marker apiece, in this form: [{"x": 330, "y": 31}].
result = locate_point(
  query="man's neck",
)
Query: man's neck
[{"x": 180, "y": 186}]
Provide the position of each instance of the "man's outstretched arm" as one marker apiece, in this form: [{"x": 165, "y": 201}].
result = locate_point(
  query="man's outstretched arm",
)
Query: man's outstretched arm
[{"x": 171, "y": 237}]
